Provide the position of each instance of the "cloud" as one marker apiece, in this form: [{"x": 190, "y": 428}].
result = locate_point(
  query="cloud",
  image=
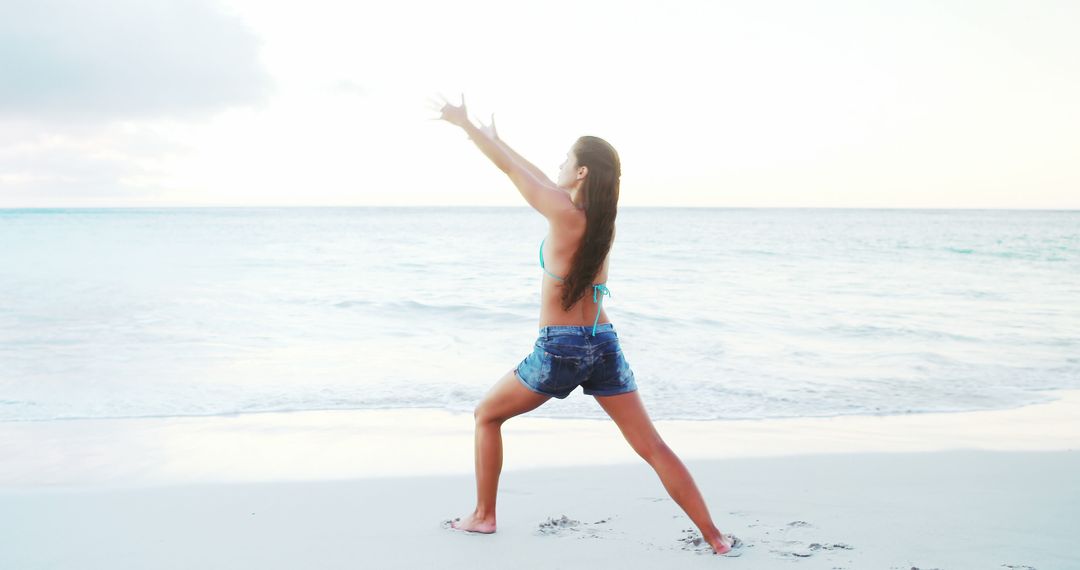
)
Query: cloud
[
  {"x": 110, "y": 60},
  {"x": 117, "y": 164}
]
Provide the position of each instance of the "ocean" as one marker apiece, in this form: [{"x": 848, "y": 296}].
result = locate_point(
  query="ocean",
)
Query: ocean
[{"x": 722, "y": 313}]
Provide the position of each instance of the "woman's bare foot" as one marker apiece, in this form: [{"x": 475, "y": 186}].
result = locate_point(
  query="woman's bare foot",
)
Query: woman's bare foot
[
  {"x": 472, "y": 523},
  {"x": 724, "y": 543}
]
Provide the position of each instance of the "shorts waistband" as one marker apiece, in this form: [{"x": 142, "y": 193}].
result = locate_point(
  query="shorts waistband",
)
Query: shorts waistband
[{"x": 577, "y": 329}]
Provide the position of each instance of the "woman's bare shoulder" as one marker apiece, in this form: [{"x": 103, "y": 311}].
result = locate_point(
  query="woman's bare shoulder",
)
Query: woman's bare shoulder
[{"x": 569, "y": 225}]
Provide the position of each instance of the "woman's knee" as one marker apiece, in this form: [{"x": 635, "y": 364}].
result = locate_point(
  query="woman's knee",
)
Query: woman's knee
[
  {"x": 651, "y": 448},
  {"x": 483, "y": 414}
]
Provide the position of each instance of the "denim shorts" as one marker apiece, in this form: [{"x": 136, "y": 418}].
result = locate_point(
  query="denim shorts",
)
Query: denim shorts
[{"x": 567, "y": 356}]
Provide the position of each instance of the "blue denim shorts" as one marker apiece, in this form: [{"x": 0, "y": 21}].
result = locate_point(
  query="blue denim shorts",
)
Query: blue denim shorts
[{"x": 567, "y": 356}]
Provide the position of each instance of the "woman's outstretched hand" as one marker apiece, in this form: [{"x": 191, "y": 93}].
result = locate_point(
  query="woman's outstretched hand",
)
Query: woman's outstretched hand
[
  {"x": 484, "y": 136},
  {"x": 455, "y": 115}
]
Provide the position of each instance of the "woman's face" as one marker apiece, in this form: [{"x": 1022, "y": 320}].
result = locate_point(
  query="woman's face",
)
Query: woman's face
[{"x": 568, "y": 171}]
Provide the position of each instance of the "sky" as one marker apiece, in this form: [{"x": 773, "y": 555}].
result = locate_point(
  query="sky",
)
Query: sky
[{"x": 854, "y": 104}]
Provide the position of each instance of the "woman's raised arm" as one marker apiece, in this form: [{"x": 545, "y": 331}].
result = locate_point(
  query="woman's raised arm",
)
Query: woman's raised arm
[
  {"x": 539, "y": 191},
  {"x": 539, "y": 174}
]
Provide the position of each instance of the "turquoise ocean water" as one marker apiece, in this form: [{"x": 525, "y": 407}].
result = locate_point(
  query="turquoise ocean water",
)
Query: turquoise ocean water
[{"x": 722, "y": 313}]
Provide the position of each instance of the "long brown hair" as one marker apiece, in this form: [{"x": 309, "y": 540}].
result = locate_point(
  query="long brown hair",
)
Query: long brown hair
[{"x": 600, "y": 197}]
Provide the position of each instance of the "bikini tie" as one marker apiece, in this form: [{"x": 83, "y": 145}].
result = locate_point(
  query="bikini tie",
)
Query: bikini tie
[{"x": 600, "y": 290}]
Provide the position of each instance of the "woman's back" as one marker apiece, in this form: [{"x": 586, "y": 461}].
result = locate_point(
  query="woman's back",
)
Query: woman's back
[{"x": 556, "y": 253}]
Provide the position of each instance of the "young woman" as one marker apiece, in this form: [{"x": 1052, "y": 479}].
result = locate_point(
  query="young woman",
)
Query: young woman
[{"x": 578, "y": 345}]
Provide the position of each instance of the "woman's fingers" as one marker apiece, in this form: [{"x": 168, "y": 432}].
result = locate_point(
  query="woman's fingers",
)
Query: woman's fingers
[{"x": 455, "y": 114}]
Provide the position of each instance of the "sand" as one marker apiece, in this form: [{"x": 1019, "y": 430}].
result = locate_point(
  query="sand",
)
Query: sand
[{"x": 371, "y": 489}]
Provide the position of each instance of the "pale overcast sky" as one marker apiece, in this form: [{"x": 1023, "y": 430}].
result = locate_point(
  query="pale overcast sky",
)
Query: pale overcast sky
[{"x": 920, "y": 104}]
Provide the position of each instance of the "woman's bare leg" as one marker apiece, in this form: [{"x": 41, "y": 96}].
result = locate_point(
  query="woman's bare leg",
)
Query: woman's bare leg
[
  {"x": 506, "y": 399},
  {"x": 629, "y": 414}
]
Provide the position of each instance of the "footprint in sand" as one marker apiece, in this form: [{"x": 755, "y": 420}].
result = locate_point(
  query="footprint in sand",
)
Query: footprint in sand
[
  {"x": 566, "y": 526},
  {"x": 791, "y": 541}
]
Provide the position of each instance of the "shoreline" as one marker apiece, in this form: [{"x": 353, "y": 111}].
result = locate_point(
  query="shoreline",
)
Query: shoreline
[
  {"x": 345, "y": 444},
  {"x": 1055, "y": 393},
  {"x": 427, "y": 409}
]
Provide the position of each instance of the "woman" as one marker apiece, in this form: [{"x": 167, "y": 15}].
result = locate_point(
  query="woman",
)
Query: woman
[{"x": 577, "y": 344}]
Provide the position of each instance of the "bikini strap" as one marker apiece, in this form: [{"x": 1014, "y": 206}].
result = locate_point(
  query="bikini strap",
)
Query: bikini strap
[
  {"x": 553, "y": 276},
  {"x": 601, "y": 290}
]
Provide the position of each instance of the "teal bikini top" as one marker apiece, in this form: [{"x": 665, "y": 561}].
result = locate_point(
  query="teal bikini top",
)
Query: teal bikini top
[{"x": 598, "y": 289}]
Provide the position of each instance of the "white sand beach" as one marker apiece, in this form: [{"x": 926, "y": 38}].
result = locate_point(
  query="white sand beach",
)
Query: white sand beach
[{"x": 370, "y": 489}]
